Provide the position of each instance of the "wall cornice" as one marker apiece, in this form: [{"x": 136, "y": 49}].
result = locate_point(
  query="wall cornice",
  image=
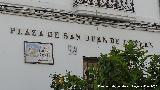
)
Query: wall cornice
[{"x": 71, "y": 17}]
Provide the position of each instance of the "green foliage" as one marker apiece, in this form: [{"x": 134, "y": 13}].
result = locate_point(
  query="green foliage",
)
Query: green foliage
[
  {"x": 67, "y": 82},
  {"x": 128, "y": 67}
]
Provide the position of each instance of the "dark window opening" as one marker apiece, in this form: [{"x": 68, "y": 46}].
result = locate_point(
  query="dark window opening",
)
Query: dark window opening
[{"x": 88, "y": 62}]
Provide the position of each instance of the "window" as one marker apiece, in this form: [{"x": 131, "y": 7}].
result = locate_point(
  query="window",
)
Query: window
[{"x": 88, "y": 61}]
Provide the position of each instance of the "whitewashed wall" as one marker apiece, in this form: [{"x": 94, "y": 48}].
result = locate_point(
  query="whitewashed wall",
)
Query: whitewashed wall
[
  {"x": 17, "y": 75},
  {"x": 145, "y": 9}
]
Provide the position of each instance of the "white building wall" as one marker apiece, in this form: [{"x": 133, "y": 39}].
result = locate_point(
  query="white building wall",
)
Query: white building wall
[
  {"x": 17, "y": 75},
  {"x": 147, "y": 9}
]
